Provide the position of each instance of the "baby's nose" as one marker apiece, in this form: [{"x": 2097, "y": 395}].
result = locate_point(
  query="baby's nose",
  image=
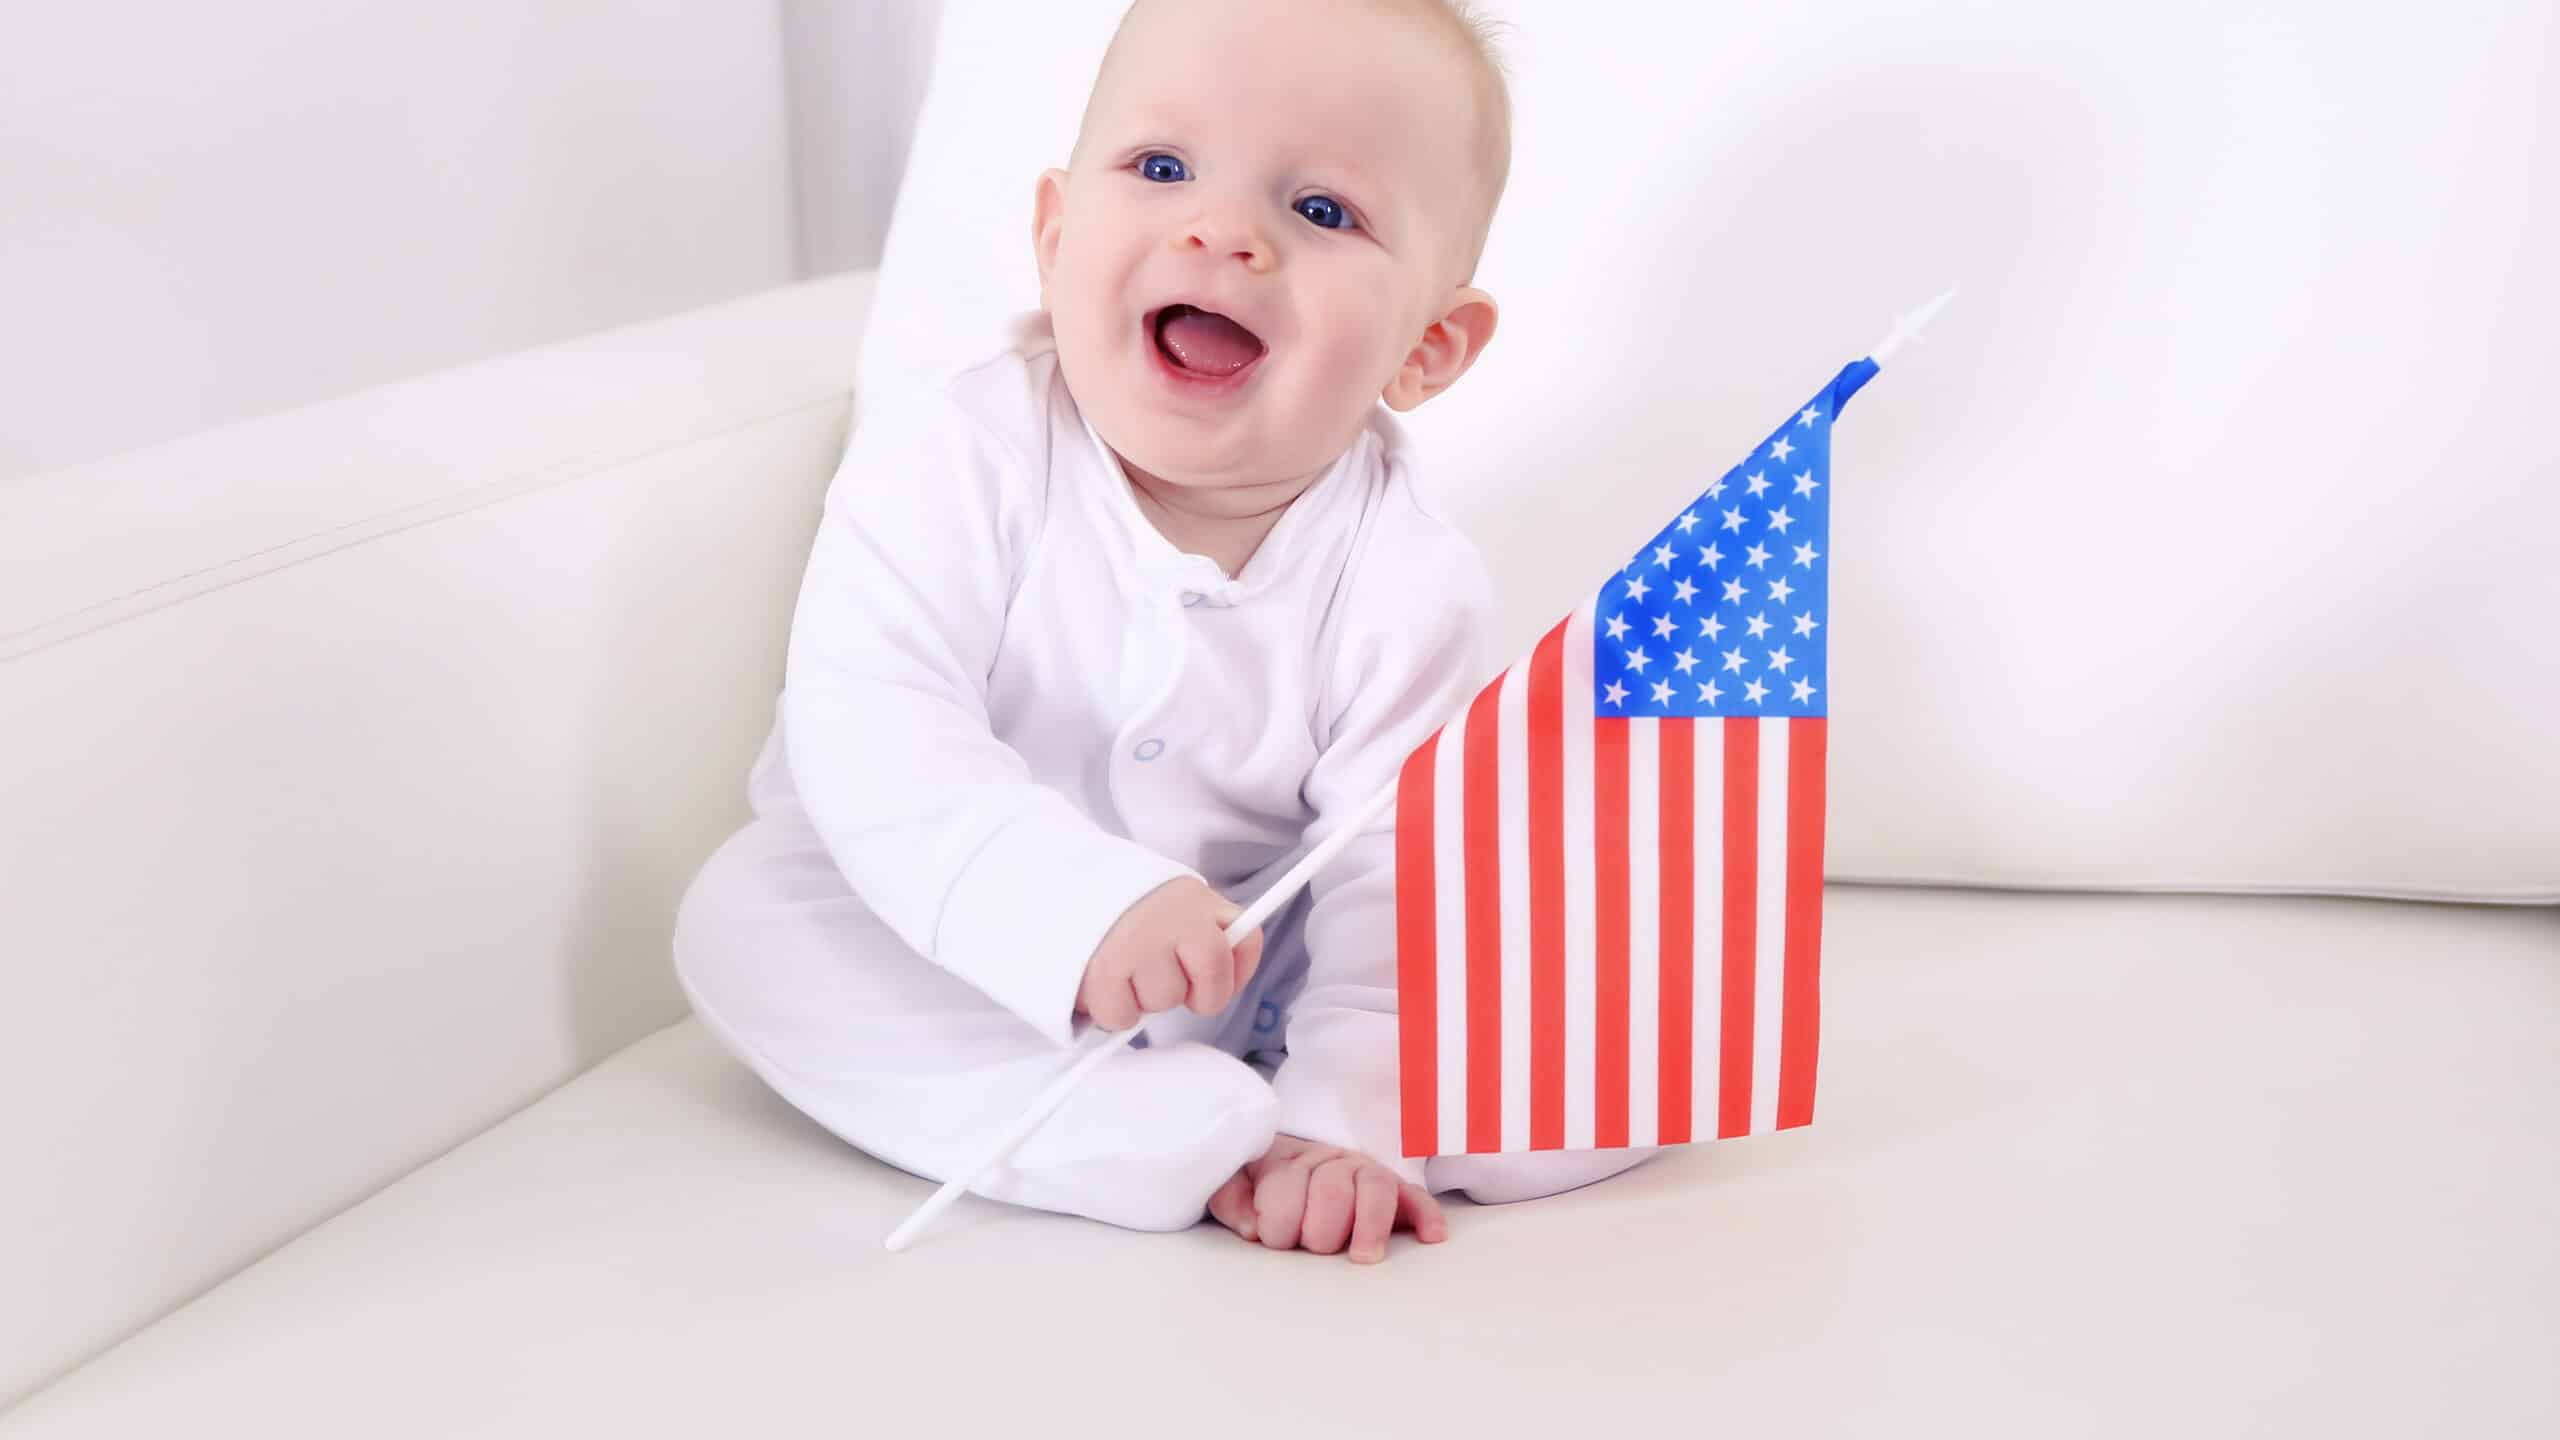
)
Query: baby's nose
[{"x": 1220, "y": 234}]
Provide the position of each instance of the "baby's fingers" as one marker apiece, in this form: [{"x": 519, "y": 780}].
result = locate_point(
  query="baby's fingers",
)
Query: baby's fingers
[
  {"x": 1420, "y": 1209},
  {"x": 1279, "y": 1202},
  {"x": 1331, "y": 1194},
  {"x": 1376, "y": 1214},
  {"x": 1248, "y": 949},
  {"x": 1232, "y": 1206},
  {"x": 1248, "y": 957},
  {"x": 1210, "y": 969}
]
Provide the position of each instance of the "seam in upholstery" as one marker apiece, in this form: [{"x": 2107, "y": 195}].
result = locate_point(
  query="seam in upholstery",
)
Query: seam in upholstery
[
  {"x": 286, "y": 554},
  {"x": 2526, "y": 899}
]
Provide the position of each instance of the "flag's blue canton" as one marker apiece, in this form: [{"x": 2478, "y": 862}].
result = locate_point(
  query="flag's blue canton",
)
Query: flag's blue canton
[{"x": 1728, "y": 610}]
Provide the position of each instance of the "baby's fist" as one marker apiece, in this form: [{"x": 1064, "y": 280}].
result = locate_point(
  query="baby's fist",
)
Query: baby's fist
[{"x": 1168, "y": 950}]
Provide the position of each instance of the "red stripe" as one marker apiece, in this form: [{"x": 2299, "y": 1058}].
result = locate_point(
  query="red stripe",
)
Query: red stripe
[
  {"x": 1679, "y": 923},
  {"x": 1801, "y": 1024},
  {"x": 1546, "y": 892},
  {"x": 1741, "y": 902},
  {"x": 1610, "y": 905},
  {"x": 1418, "y": 954},
  {"x": 1484, "y": 923}
]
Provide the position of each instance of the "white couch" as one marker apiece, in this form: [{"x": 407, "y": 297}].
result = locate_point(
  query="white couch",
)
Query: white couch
[{"x": 352, "y": 761}]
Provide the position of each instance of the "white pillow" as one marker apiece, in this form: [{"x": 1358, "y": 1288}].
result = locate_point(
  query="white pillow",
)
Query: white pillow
[{"x": 2207, "y": 542}]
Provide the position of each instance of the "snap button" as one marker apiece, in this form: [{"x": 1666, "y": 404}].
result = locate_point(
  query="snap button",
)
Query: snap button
[{"x": 1150, "y": 749}]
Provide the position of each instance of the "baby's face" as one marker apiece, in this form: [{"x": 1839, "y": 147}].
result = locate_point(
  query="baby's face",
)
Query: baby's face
[{"x": 1264, "y": 231}]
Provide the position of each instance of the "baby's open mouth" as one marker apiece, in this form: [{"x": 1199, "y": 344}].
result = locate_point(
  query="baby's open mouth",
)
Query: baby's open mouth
[{"x": 1204, "y": 342}]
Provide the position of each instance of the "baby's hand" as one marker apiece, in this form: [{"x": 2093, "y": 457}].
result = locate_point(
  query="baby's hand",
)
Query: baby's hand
[
  {"x": 1168, "y": 950},
  {"x": 1322, "y": 1197}
]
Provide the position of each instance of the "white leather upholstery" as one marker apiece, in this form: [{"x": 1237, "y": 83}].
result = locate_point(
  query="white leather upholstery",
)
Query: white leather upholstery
[
  {"x": 2085, "y": 1165},
  {"x": 2208, "y": 540},
  {"x": 219, "y": 212},
  {"x": 354, "y": 761}
]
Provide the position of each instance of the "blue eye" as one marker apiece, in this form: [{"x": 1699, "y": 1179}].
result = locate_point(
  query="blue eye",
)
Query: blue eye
[
  {"x": 1324, "y": 211},
  {"x": 1163, "y": 169}
]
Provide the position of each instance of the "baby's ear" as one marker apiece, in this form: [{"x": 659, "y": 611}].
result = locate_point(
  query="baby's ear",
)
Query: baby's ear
[
  {"x": 1048, "y": 221},
  {"x": 1446, "y": 349}
]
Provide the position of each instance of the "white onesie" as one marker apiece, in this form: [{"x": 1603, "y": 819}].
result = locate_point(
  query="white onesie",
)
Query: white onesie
[{"x": 1011, "y": 708}]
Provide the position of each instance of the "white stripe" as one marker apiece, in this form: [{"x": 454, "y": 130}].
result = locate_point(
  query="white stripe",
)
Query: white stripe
[
  {"x": 1511, "y": 762},
  {"x": 1768, "y": 982},
  {"x": 1449, "y": 887},
  {"x": 1706, "y": 1026},
  {"x": 1644, "y": 931},
  {"x": 1581, "y": 937}
]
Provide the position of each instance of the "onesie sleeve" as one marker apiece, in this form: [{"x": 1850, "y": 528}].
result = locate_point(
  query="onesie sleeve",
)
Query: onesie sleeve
[
  {"x": 937, "y": 824},
  {"x": 1412, "y": 655}
]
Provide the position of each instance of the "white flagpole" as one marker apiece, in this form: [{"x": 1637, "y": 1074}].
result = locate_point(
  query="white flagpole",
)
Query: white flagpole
[
  {"x": 1102, "y": 1045},
  {"x": 1907, "y": 327}
]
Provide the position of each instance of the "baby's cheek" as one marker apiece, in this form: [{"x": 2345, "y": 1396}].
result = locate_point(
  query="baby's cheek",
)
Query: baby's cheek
[{"x": 1353, "y": 351}]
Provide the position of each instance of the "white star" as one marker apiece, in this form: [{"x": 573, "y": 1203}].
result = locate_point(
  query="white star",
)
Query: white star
[
  {"x": 1733, "y": 520},
  {"x": 1708, "y": 692},
  {"x": 1806, "y": 484},
  {"x": 1683, "y": 591},
  {"x": 1779, "y": 659},
  {"x": 1733, "y": 592},
  {"x": 1804, "y": 691},
  {"x": 1711, "y": 557},
  {"x": 1809, "y": 416},
  {"x": 1661, "y": 692},
  {"x": 1716, "y": 490},
  {"x": 1806, "y": 555},
  {"x": 1688, "y": 521},
  {"x": 1779, "y": 519},
  {"x": 1662, "y": 627},
  {"x": 1805, "y": 623},
  {"x": 1779, "y": 589},
  {"x": 1759, "y": 486},
  {"x": 1711, "y": 627},
  {"x": 1782, "y": 449},
  {"x": 1733, "y": 662},
  {"x": 1687, "y": 661},
  {"x": 1753, "y": 691},
  {"x": 1758, "y": 625},
  {"x": 1756, "y": 557},
  {"x": 1661, "y": 554},
  {"x": 1636, "y": 588},
  {"x": 1617, "y": 693},
  {"x": 1637, "y": 660},
  {"x": 1617, "y": 628}
]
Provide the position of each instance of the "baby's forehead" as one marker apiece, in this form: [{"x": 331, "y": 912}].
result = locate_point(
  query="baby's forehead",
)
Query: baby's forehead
[
  {"x": 1345, "y": 83},
  {"x": 1363, "y": 79}
]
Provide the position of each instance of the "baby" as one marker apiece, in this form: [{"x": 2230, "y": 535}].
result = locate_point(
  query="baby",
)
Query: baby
[{"x": 1118, "y": 622}]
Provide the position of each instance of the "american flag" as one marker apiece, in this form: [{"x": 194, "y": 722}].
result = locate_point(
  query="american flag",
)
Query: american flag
[{"x": 1609, "y": 866}]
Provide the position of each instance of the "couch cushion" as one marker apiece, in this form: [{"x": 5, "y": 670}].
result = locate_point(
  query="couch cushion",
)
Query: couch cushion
[
  {"x": 353, "y": 763},
  {"x": 2082, "y": 1165},
  {"x": 2206, "y": 543}
]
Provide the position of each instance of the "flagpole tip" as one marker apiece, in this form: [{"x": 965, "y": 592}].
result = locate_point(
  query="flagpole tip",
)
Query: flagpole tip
[{"x": 1907, "y": 327}]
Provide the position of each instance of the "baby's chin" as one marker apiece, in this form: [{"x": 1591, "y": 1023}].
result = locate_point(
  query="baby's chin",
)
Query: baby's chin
[{"x": 1185, "y": 462}]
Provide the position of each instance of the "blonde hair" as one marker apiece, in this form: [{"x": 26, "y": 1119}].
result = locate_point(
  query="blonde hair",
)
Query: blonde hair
[{"x": 1480, "y": 35}]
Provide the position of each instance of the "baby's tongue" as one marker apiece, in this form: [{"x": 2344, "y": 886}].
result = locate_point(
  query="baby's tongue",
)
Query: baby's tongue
[{"x": 1205, "y": 343}]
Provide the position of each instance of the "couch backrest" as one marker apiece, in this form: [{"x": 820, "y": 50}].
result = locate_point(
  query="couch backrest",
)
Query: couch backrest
[
  {"x": 2209, "y": 541},
  {"x": 352, "y": 762},
  {"x": 220, "y": 211}
]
